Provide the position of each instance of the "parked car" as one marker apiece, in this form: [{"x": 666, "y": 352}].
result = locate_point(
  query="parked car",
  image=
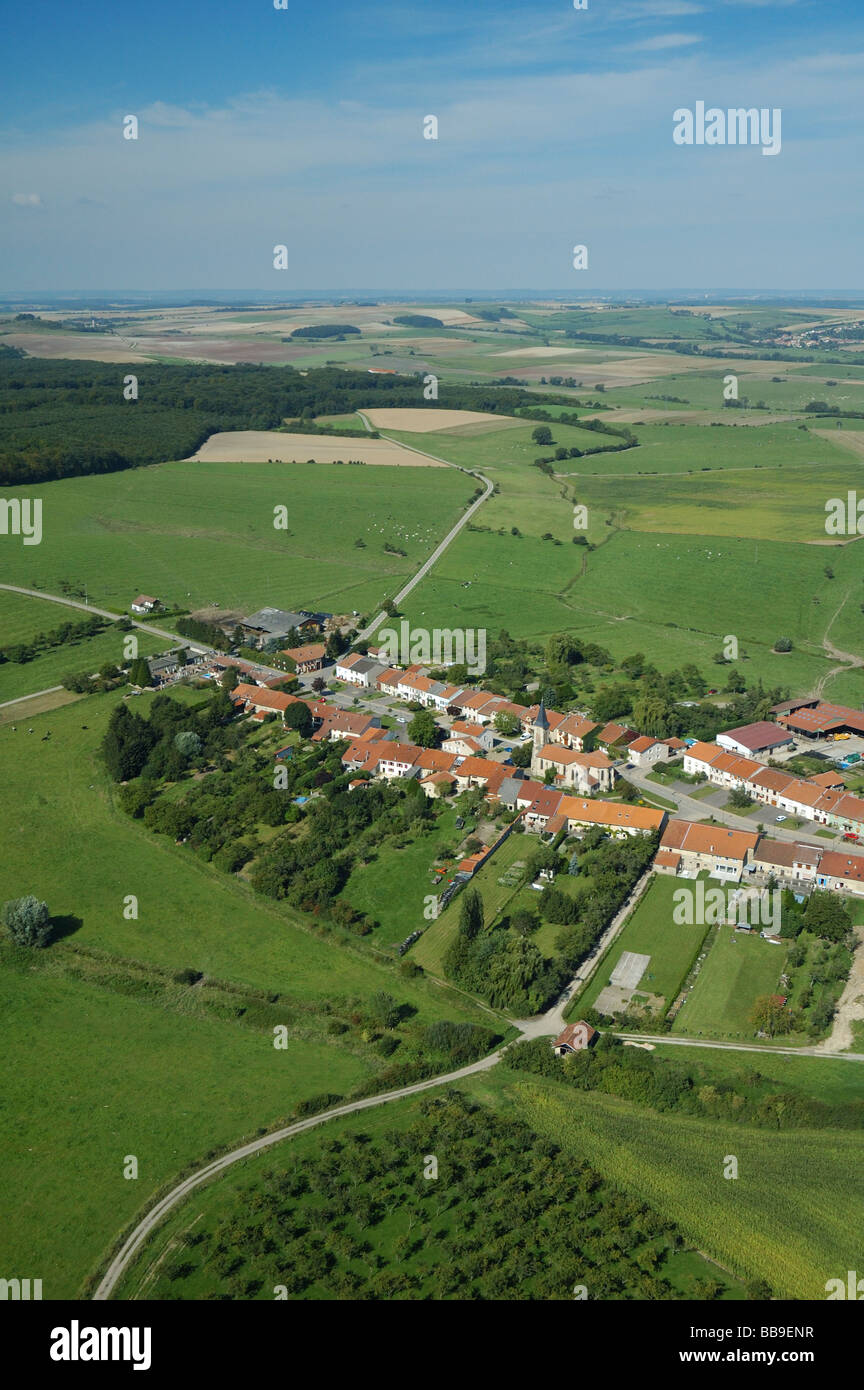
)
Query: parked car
[{"x": 781, "y": 818}]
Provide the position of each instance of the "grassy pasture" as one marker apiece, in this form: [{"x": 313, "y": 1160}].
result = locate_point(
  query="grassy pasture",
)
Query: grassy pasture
[
  {"x": 704, "y": 390},
  {"x": 432, "y": 946},
  {"x": 651, "y": 932},
  {"x": 393, "y": 886},
  {"x": 686, "y": 448},
  {"x": 739, "y": 968},
  {"x": 510, "y": 447},
  {"x": 22, "y": 618},
  {"x": 784, "y": 504},
  {"x": 194, "y": 533},
  {"x": 82, "y": 1088},
  {"x": 65, "y": 840},
  {"x": 671, "y": 597},
  {"x": 91, "y": 1077}
]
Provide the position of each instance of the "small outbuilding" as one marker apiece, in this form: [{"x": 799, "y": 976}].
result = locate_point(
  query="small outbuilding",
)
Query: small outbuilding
[{"x": 575, "y": 1038}]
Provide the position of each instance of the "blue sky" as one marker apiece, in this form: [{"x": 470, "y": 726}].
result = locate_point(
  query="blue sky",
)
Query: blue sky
[{"x": 303, "y": 126}]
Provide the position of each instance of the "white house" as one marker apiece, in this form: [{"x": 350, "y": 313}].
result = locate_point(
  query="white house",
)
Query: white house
[{"x": 145, "y": 604}]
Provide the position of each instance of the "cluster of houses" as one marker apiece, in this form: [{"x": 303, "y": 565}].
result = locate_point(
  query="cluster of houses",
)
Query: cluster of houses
[
  {"x": 822, "y": 798},
  {"x": 572, "y": 759},
  {"x": 688, "y": 848}
]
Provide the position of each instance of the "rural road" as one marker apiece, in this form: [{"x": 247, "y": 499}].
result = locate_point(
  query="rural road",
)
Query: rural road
[
  {"x": 553, "y": 1021},
  {"x": 174, "y": 637},
  {"x": 666, "y": 1039},
  {"x": 697, "y": 810},
  {"x": 133, "y": 1242},
  {"x": 849, "y": 661},
  {"x": 448, "y": 539},
  {"x": 20, "y": 699},
  {"x": 545, "y": 1024}
]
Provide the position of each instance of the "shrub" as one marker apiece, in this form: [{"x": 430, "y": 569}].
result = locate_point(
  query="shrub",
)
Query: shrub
[{"x": 28, "y": 921}]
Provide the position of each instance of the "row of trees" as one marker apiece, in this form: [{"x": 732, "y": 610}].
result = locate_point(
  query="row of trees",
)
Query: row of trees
[
  {"x": 40, "y": 642},
  {"x": 649, "y": 1079}
]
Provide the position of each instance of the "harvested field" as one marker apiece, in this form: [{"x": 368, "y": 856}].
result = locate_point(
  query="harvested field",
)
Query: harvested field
[
  {"x": 263, "y": 446},
  {"x": 88, "y": 347},
  {"x": 540, "y": 352},
  {"x": 420, "y": 421},
  {"x": 20, "y": 710},
  {"x": 846, "y": 439}
]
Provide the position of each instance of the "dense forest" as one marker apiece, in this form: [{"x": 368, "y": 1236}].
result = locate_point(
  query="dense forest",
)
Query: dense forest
[{"x": 61, "y": 419}]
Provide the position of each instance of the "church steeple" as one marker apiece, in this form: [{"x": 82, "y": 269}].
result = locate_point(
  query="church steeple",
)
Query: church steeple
[{"x": 541, "y": 728}]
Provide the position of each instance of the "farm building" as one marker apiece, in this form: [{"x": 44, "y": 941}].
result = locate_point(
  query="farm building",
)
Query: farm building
[
  {"x": 759, "y": 740},
  {"x": 145, "y": 604},
  {"x": 268, "y": 623}
]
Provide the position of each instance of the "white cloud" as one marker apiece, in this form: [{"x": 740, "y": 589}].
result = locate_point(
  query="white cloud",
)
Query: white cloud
[
  {"x": 662, "y": 41},
  {"x": 27, "y": 200}
]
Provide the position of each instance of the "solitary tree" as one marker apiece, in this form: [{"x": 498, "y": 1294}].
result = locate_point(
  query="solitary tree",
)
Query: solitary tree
[
  {"x": 423, "y": 730},
  {"x": 542, "y": 434},
  {"x": 299, "y": 717},
  {"x": 767, "y": 1014},
  {"x": 471, "y": 914},
  {"x": 506, "y": 723},
  {"x": 188, "y": 743},
  {"x": 27, "y": 921}
]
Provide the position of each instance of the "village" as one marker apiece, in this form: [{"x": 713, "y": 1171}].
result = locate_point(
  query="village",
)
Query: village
[{"x": 575, "y": 774}]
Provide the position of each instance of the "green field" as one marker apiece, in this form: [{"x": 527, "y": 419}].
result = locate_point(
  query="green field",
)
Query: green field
[
  {"x": 196, "y": 533},
  {"x": 740, "y": 967},
  {"x": 392, "y": 888},
  {"x": 650, "y": 931},
  {"x": 649, "y": 585},
  {"x": 479, "y": 446},
  {"x": 83, "y": 1077},
  {"x": 516, "y": 849},
  {"x": 822, "y": 1078},
  {"x": 704, "y": 390},
  {"x": 22, "y": 618},
  {"x": 774, "y": 504},
  {"x": 91, "y": 1077},
  {"x": 671, "y": 597}
]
